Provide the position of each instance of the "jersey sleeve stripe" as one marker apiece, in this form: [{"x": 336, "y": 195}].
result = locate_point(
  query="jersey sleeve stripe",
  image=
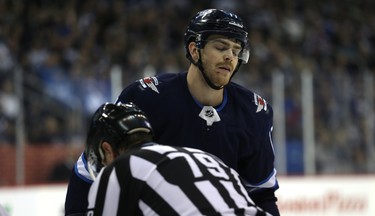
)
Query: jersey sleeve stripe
[
  {"x": 81, "y": 170},
  {"x": 270, "y": 182}
]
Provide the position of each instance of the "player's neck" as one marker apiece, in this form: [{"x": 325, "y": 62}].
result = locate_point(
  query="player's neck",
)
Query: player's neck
[{"x": 201, "y": 91}]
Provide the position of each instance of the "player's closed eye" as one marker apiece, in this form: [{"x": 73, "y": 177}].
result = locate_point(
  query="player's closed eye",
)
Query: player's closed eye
[{"x": 235, "y": 51}]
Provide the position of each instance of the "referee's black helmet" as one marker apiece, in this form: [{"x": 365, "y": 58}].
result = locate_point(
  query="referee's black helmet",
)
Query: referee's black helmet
[{"x": 113, "y": 123}]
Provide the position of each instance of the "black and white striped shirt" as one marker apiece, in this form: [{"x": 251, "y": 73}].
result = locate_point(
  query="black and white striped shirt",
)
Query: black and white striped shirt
[{"x": 165, "y": 180}]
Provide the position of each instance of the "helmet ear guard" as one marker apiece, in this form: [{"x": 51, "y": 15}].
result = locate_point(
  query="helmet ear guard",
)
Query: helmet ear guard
[{"x": 113, "y": 123}]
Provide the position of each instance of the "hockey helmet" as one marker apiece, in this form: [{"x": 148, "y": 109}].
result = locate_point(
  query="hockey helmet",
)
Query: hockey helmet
[
  {"x": 112, "y": 123},
  {"x": 220, "y": 22}
]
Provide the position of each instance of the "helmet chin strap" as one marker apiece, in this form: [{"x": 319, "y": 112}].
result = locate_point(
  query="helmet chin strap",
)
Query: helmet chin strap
[
  {"x": 200, "y": 67},
  {"x": 208, "y": 81}
]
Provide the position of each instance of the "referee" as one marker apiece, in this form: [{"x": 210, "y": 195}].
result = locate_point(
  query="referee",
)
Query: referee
[{"x": 152, "y": 179}]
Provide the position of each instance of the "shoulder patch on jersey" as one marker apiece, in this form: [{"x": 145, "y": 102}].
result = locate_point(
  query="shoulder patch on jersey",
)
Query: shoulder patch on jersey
[
  {"x": 260, "y": 102},
  {"x": 150, "y": 82}
]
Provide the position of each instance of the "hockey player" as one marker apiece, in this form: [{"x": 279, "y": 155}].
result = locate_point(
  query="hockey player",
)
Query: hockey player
[
  {"x": 151, "y": 179},
  {"x": 202, "y": 108}
]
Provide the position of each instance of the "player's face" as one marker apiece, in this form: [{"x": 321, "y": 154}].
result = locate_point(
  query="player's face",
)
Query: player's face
[{"x": 220, "y": 58}]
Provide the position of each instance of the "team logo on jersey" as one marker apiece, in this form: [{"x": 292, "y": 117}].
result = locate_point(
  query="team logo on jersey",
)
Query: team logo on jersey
[
  {"x": 150, "y": 82},
  {"x": 209, "y": 114},
  {"x": 260, "y": 102}
]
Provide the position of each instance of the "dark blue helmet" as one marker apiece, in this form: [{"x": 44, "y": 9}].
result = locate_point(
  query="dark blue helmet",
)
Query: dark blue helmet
[
  {"x": 113, "y": 123},
  {"x": 214, "y": 21}
]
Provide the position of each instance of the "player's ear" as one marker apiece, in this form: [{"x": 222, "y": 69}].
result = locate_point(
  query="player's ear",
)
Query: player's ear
[
  {"x": 193, "y": 50},
  {"x": 109, "y": 154}
]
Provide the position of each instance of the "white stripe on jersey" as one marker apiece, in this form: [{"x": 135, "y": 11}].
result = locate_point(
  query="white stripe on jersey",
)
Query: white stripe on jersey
[
  {"x": 81, "y": 169},
  {"x": 239, "y": 183},
  {"x": 172, "y": 194},
  {"x": 220, "y": 205},
  {"x": 193, "y": 166},
  {"x": 212, "y": 165},
  {"x": 212, "y": 195},
  {"x": 239, "y": 200},
  {"x": 161, "y": 149},
  {"x": 146, "y": 210},
  {"x": 94, "y": 192},
  {"x": 269, "y": 183},
  {"x": 112, "y": 195}
]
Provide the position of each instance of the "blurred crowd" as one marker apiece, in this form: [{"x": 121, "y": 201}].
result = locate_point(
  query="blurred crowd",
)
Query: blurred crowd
[{"x": 65, "y": 52}]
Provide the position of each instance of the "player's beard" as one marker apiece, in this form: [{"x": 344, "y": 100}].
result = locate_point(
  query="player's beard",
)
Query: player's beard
[
  {"x": 215, "y": 75},
  {"x": 219, "y": 77}
]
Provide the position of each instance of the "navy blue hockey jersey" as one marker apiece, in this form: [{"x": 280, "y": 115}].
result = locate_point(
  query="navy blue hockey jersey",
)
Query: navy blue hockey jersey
[
  {"x": 238, "y": 131},
  {"x": 168, "y": 180}
]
